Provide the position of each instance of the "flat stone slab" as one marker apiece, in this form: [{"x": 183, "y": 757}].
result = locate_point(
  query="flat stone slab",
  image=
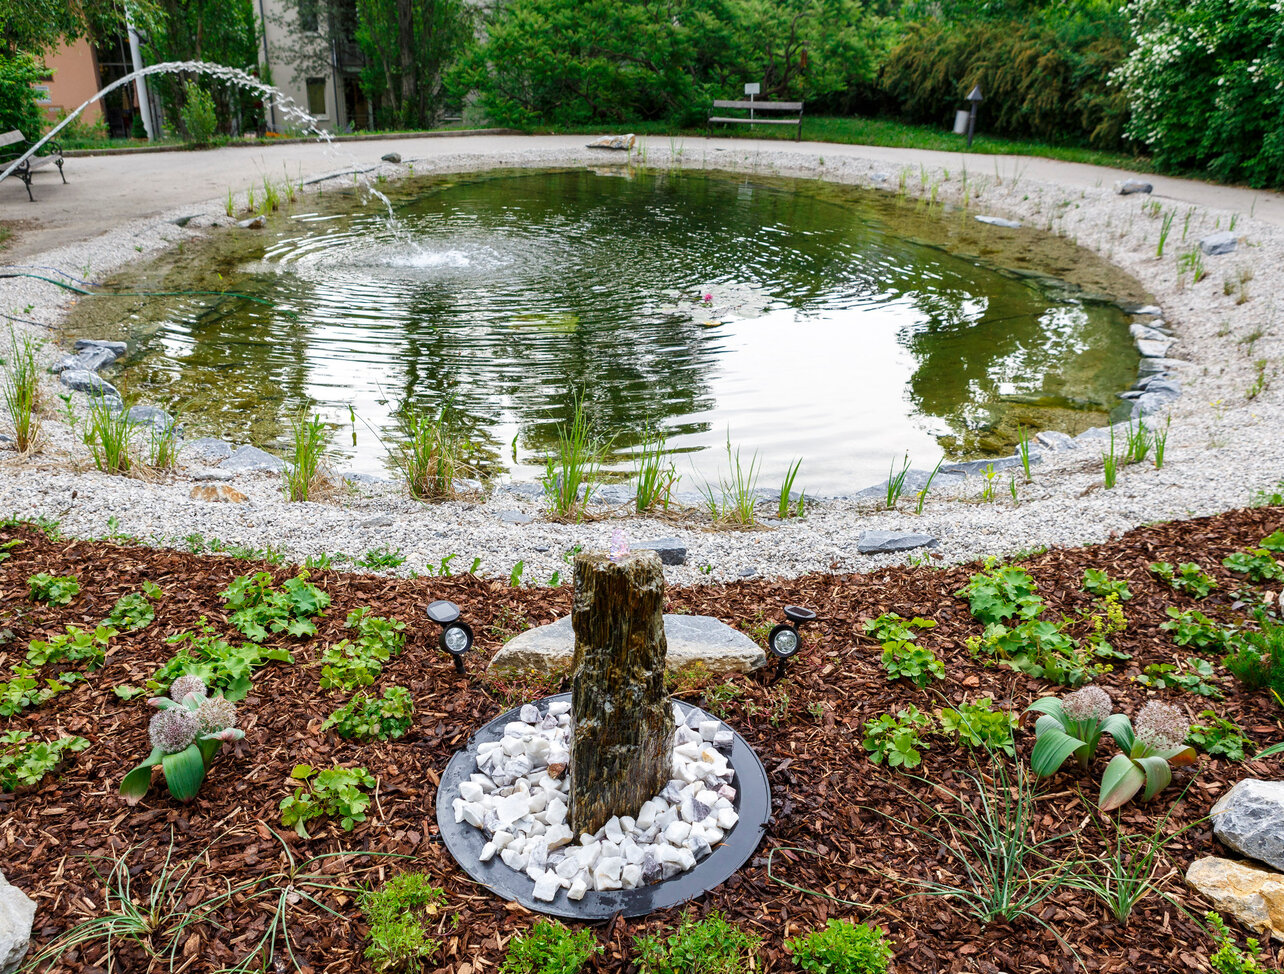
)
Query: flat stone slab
[
  {"x": 82, "y": 380},
  {"x": 1253, "y": 896},
  {"x": 998, "y": 221},
  {"x": 671, "y": 550},
  {"x": 250, "y": 459},
  {"x": 1126, "y": 187},
  {"x": 1250, "y": 819},
  {"x": 1154, "y": 348},
  {"x": 547, "y": 650},
  {"x": 886, "y": 542},
  {"x": 1054, "y": 440},
  {"x": 514, "y": 517}
]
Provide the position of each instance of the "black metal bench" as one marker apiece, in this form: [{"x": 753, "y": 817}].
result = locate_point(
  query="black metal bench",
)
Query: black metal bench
[
  {"x": 32, "y": 163},
  {"x": 753, "y": 107}
]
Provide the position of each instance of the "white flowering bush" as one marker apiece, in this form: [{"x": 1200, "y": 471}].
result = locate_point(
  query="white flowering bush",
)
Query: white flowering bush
[
  {"x": 1205, "y": 85},
  {"x": 186, "y": 732}
]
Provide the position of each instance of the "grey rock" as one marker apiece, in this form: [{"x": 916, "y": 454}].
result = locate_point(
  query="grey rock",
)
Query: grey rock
[
  {"x": 253, "y": 223},
  {"x": 80, "y": 380},
  {"x": 378, "y": 521},
  {"x": 1147, "y": 333},
  {"x": 974, "y": 468},
  {"x": 1129, "y": 394},
  {"x": 1164, "y": 384},
  {"x": 151, "y": 416},
  {"x": 182, "y": 221},
  {"x": 1154, "y": 349},
  {"x": 250, "y": 459},
  {"x": 692, "y": 639},
  {"x": 749, "y": 573},
  {"x": 1149, "y": 366},
  {"x": 618, "y": 143},
  {"x": 1250, "y": 819},
  {"x": 1146, "y": 381},
  {"x": 998, "y": 221},
  {"x": 532, "y": 491},
  {"x": 879, "y": 177},
  {"x": 1223, "y": 242},
  {"x": 915, "y": 480},
  {"x": 207, "y": 448},
  {"x": 17, "y": 913},
  {"x": 614, "y": 494},
  {"x": 116, "y": 348},
  {"x": 355, "y": 477},
  {"x": 466, "y": 485},
  {"x": 6, "y": 440},
  {"x": 1053, "y": 440},
  {"x": 1098, "y": 435},
  {"x": 514, "y": 517},
  {"x": 1126, "y": 187},
  {"x": 88, "y": 359},
  {"x": 393, "y": 157},
  {"x": 885, "y": 542},
  {"x": 209, "y": 474},
  {"x": 671, "y": 550},
  {"x": 1146, "y": 310}
]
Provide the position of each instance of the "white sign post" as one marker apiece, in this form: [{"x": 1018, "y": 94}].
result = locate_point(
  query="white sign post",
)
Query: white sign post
[{"x": 752, "y": 88}]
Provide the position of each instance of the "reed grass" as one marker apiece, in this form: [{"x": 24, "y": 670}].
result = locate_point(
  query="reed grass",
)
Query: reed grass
[
  {"x": 1023, "y": 449},
  {"x": 1110, "y": 462},
  {"x": 655, "y": 480},
  {"x": 109, "y": 434},
  {"x": 430, "y": 456},
  {"x": 922, "y": 494},
  {"x": 732, "y": 499},
  {"x": 1161, "y": 444},
  {"x": 21, "y": 392},
  {"x": 575, "y": 467},
  {"x": 310, "y": 439},
  {"x": 783, "y": 505},
  {"x": 163, "y": 446},
  {"x": 896, "y": 482}
]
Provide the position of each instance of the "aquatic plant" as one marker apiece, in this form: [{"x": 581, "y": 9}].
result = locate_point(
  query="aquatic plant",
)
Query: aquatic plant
[{"x": 20, "y": 391}]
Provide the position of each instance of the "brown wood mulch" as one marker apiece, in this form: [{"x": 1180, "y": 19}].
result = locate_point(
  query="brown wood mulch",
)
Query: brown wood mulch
[{"x": 834, "y": 812}]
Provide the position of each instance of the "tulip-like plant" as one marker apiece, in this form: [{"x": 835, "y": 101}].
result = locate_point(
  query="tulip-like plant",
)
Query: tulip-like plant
[
  {"x": 1152, "y": 744},
  {"x": 1072, "y": 724},
  {"x": 186, "y": 734}
]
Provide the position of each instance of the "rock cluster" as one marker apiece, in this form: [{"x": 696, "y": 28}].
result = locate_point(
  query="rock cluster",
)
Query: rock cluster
[
  {"x": 17, "y": 911},
  {"x": 518, "y": 797}
]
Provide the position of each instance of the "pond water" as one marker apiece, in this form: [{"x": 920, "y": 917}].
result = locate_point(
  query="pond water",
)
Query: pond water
[{"x": 794, "y": 317}]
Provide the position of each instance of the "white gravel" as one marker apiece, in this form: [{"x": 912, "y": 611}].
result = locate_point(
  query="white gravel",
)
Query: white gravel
[{"x": 1222, "y": 446}]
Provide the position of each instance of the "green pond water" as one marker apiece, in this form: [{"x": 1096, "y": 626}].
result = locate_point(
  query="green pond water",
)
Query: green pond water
[{"x": 799, "y": 318}]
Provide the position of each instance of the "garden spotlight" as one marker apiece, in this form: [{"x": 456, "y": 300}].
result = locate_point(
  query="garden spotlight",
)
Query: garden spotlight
[
  {"x": 784, "y": 641},
  {"x": 456, "y": 636}
]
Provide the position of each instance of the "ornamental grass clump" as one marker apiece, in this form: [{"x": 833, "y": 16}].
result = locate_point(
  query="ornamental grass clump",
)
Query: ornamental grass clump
[
  {"x": 1152, "y": 744},
  {"x": 1072, "y": 725},
  {"x": 186, "y": 732}
]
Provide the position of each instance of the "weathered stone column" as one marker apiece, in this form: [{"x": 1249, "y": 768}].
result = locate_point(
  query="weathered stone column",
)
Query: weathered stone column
[{"x": 622, "y": 735}]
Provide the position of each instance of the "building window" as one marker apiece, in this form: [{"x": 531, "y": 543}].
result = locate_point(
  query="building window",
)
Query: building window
[
  {"x": 316, "y": 97},
  {"x": 309, "y": 19}
]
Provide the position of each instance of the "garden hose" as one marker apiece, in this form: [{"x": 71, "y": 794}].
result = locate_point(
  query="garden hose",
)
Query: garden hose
[{"x": 146, "y": 294}]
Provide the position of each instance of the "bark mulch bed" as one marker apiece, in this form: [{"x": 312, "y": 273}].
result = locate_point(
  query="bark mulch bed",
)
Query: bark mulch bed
[{"x": 831, "y": 806}]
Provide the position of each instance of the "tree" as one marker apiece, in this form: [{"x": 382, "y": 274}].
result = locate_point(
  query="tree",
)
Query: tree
[{"x": 408, "y": 44}]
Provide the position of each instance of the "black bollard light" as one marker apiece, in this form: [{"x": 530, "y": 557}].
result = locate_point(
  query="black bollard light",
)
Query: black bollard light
[
  {"x": 975, "y": 98},
  {"x": 783, "y": 641},
  {"x": 456, "y": 636}
]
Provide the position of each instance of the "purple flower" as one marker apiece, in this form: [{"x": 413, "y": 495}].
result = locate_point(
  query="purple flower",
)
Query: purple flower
[
  {"x": 1161, "y": 727},
  {"x": 173, "y": 730}
]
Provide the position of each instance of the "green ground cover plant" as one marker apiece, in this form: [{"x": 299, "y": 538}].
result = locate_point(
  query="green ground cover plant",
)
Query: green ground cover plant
[
  {"x": 898, "y": 740},
  {"x": 336, "y": 792},
  {"x": 1218, "y": 737},
  {"x": 224, "y": 668},
  {"x": 349, "y": 663},
  {"x": 23, "y": 691},
  {"x": 257, "y": 608},
  {"x": 1190, "y": 627},
  {"x": 549, "y": 948},
  {"x": 25, "y": 762},
  {"x": 1257, "y": 565},
  {"x": 708, "y": 946},
  {"x": 134, "y": 611},
  {"x": 842, "y": 947},
  {"x": 53, "y": 590},
  {"x": 1001, "y": 593},
  {"x": 979, "y": 724},
  {"x": 374, "y": 718},
  {"x": 75, "y": 646},
  {"x": 1099, "y": 583},
  {"x": 1186, "y": 577},
  {"x": 398, "y": 913},
  {"x": 1192, "y": 677}
]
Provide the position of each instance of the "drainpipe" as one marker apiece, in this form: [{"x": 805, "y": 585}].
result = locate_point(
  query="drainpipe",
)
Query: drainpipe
[
  {"x": 267, "y": 63},
  {"x": 140, "y": 83}
]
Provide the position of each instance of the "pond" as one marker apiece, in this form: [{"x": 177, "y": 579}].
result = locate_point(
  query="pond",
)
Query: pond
[{"x": 794, "y": 318}]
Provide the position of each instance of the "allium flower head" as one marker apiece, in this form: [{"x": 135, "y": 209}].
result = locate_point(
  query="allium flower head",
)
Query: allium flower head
[
  {"x": 173, "y": 730},
  {"x": 1090, "y": 703},
  {"x": 216, "y": 714},
  {"x": 1161, "y": 727},
  {"x": 184, "y": 685}
]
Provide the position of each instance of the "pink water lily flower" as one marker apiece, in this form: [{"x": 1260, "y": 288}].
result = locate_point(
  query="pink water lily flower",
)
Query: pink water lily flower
[{"x": 708, "y": 298}]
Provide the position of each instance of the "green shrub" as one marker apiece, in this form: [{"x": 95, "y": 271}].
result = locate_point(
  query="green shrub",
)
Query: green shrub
[
  {"x": 24, "y": 762},
  {"x": 18, "y": 108},
  {"x": 74, "y": 646},
  {"x": 371, "y": 718},
  {"x": 708, "y": 946},
  {"x": 53, "y": 590},
  {"x": 199, "y": 119},
  {"x": 1000, "y": 593},
  {"x": 225, "y": 669},
  {"x": 897, "y": 740},
  {"x": 336, "y": 792},
  {"x": 257, "y": 608},
  {"x": 980, "y": 725},
  {"x": 396, "y": 914},
  {"x": 842, "y": 948},
  {"x": 549, "y": 948}
]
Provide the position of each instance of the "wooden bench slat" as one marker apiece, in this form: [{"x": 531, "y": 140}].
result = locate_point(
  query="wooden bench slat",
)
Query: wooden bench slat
[
  {"x": 766, "y": 106},
  {"x": 9, "y": 138},
  {"x": 760, "y": 121}
]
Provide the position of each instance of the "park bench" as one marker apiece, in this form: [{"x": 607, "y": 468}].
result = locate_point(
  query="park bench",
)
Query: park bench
[
  {"x": 753, "y": 107},
  {"x": 31, "y": 164}
]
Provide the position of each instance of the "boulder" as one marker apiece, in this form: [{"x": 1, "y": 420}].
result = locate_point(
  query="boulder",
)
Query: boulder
[
  {"x": 1126, "y": 187},
  {"x": 1147, "y": 333},
  {"x": 250, "y": 459},
  {"x": 253, "y": 223},
  {"x": 618, "y": 143},
  {"x": 1053, "y": 441},
  {"x": 1149, "y": 366},
  {"x": 1154, "y": 348},
  {"x": 17, "y": 911},
  {"x": 1223, "y": 242},
  {"x": 977, "y": 468},
  {"x": 152, "y": 416},
  {"x": 547, "y": 650},
  {"x": 88, "y": 360},
  {"x": 217, "y": 494},
  {"x": 1250, "y": 819},
  {"x": 671, "y": 550},
  {"x": 82, "y": 380},
  {"x": 1253, "y": 896},
  {"x": 208, "y": 474},
  {"x": 207, "y": 448},
  {"x": 998, "y": 221},
  {"x": 393, "y": 157},
  {"x": 886, "y": 542}
]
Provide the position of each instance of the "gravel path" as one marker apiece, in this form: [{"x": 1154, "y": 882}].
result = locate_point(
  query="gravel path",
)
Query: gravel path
[{"x": 1223, "y": 446}]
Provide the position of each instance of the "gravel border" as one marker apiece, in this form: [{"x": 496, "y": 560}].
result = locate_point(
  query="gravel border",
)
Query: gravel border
[{"x": 1222, "y": 448}]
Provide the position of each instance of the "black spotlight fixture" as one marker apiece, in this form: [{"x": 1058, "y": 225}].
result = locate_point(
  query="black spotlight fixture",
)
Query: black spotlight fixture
[
  {"x": 456, "y": 636},
  {"x": 784, "y": 641}
]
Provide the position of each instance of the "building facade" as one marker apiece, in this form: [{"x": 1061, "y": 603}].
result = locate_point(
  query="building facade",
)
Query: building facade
[{"x": 314, "y": 63}]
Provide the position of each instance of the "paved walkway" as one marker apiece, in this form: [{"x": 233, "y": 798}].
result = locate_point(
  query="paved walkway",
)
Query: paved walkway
[{"x": 104, "y": 191}]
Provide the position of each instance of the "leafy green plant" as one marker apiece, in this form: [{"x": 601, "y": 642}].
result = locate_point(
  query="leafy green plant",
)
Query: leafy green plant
[
  {"x": 134, "y": 611},
  {"x": 783, "y": 509},
  {"x": 397, "y": 913},
  {"x": 310, "y": 438},
  {"x": 186, "y": 733},
  {"x": 978, "y": 724},
  {"x": 916, "y": 663},
  {"x": 708, "y": 946},
  {"x": 20, "y": 392},
  {"x": 53, "y": 590},
  {"x": 349, "y": 664},
  {"x": 24, "y": 762},
  {"x": 73, "y": 646},
  {"x": 572, "y": 472},
  {"x": 199, "y": 119},
  {"x": 1228, "y": 958},
  {"x": 373, "y": 718},
  {"x": 1071, "y": 725},
  {"x": 335, "y": 792},
  {"x": 22, "y": 690},
  {"x": 656, "y": 479},
  {"x": 1187, "y": 577},
  {"x": 6, "y": 549},
  {"x": 1257, "y": 565},
  {"x": 224, "y": 668},
  {"x": 842, "y": 947},
  {"x": 1003, "y": 592},
  {"x": 1192, "y": 628},
  {"x": 896, "y": 482},
  {"x": 109, "y": 434},
  {"x": 258, "y": 609},
  {"x": 1219, "y": 737},
  {"x": 1040, "y": 649},
  {"x": 1193, "y": 678},
  {"x": 382, "y": 557},
  {"x": 549, "y": 948},
  {"x": 1151, "y": 745},
  {"x": 1099, "y": 583},
  {"x": 897, "y": 740}
]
